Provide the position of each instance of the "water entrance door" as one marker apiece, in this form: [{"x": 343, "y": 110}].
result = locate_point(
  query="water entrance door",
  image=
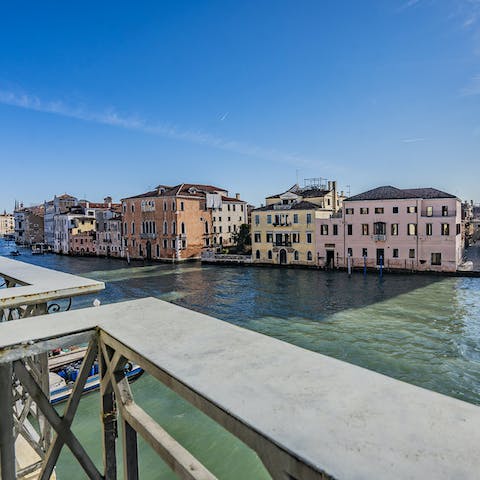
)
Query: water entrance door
[
  {"x": 283, "y": 256},
  {"x": 330, "y": 261},
  {"x": 149, "y": 250},
  {"x": 380, "y": 253}
]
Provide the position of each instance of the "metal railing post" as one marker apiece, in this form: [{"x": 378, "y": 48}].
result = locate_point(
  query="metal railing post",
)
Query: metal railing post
[{"x": 7, "y": 443}]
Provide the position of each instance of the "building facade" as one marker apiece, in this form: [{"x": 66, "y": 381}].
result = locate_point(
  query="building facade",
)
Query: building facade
[
  {"x": 227, "y": 217},
  {"x": 7, "y": 224},
  {"x": 283, "y": 231},
  {"x": 59, "y": 204},
  {"x": 29, "y": 227},
  {"x": 109, "y": 234},
  {"x": 173, "y": 223},
  {"x": 408, "y": 229}
]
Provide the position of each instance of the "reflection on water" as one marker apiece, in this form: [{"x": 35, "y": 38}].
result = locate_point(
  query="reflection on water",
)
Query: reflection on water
[{"x": 421, "y": 329}]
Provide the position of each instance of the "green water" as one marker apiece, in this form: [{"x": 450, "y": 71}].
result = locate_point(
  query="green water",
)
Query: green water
[{"x": 419, "y": 329}]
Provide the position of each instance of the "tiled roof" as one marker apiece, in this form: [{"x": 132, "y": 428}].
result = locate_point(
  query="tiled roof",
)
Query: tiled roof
[
  {"x": 392, "y": 193},
  {"x": 294, "y": 206},
  {"x": 181, "y": 189},
  {"x": 305, "y": 192},
  {"x": 231, "y": 199}
]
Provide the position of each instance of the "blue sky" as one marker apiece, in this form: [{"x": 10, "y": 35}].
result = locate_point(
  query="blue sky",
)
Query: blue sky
[{"x": 114, "y": 98}]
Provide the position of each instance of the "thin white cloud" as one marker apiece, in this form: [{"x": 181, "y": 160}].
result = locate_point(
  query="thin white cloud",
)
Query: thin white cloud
[
  {"x": 473, "y": 88},
  {"x": 413, "y": 140},
  {"x": 112, "y": 118}
]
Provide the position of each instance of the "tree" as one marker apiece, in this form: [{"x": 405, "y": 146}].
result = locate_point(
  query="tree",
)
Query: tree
[{"x": 242, "y": 239}]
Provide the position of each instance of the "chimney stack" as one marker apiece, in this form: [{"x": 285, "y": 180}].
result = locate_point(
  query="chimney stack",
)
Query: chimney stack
[
  {"x": 237, "y": 196},
  {"x": 329, "y": 185}
]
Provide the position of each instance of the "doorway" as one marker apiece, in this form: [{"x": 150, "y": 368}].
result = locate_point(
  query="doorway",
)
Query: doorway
[
  {"x": 330, "y": 261},
  {"x": 380, "y": 256},
  {"x": 283, "y": 256},
  {"x": 149, "y": 250}
]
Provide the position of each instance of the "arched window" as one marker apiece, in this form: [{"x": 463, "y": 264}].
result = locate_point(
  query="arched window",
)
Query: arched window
[
  {"x": 206, "y": 227},
  {"x": 295, "y": 255},
  {"x": 154, "y": 227},
  {"x": 257, "y": 254},
  {"x": 174, "y": 227},
  {"x": 173, "y": 206},
  {"x": 158, "y": 250},
  {"x": 309, "y": 256},
  {"x": 269, "y": 254},
  {"x": 182, "y": 206},
  {"x": 221, "y": 240},
  {"x": 165, "y": 228},
  {"x": 182, "y": 226}
]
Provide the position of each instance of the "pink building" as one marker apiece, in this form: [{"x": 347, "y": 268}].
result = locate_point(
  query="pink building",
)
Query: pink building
[{"x": 410, "y": 229}]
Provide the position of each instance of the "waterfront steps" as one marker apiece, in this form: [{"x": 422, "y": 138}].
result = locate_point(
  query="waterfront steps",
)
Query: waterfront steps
[{"x": 305, "y": 414}]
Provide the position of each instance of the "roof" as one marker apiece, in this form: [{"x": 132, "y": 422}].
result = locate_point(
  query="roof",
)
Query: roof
[
  {"x": 306, "y": 192},
  {"x": 231, "y": 199},
  {"x": 180, "y": 190},
  {"x": 293, "y": 206},
  {"x": 392, "y": 193}
]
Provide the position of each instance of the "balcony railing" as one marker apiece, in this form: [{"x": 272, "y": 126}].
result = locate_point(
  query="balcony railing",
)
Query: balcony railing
[
  {"x": 302, "y": 416},
  {"x": 150, "y": 236},
  {"x": 282, "y": 224},
  {"x": 282, "y": 244},
  {"x": 380, "y": 237}
]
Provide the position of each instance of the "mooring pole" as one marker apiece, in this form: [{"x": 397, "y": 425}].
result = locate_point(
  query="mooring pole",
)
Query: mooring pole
[
  {"x": 349, "y": 265},
  {"x": 364, "y": 265},
  {"x": 381, "y": 266}
]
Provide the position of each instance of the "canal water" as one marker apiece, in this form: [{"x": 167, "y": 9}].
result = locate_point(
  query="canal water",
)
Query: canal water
[{"x": 424, "y": 330}]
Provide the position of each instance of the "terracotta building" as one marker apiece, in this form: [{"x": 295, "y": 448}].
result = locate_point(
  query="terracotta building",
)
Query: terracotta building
[
  {"x": 172, "y": 223},
  {"x": 29, "y": 225}
]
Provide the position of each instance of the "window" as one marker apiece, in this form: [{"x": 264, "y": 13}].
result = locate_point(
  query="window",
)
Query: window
[
  {"x": 182, "y": 206},
  {"x": 364, "y": 211},
  {"x": 324, "y": 230},
  {"x": 269, "y": 237},
  {"x": 428, "y": 229},
  {"x": 350, "y": 229},
  {"x": 165, "y": 228},
  {"x": 269, "y": 219},
  {"x": 349, "y": 252},
  {"x": 309, "y": 256},
  {"x": 379, "y": 228},
  {"x": 412, "y": 229},
  {"x": 257, "y": 254},
  {"x": 125, "y": 228},
  {"x": 394, "y": 229},
  {"x": 164, "y": 205},
  {"x": 174, "y": 243},
  {"x": 133, "y": 207},
  {"x": 429, "y": 212},
  {"x": 133, "y": 228},
  {"x": 445, "y": 229},
  {"x": 364, "y": 252},
  {"x": 309, "y": 237},
  {"x": 257, "y": 237},
  {"x": 444, "y": 211},
  {"x": 395, "y": 253},
  {"x": 411, "y": 253},
  {"x": 335, "y": 229},
  {"x": 158, "y": 250},
  {"x": 436, "y": 259},
  {"x": 349, "y": 211},
  {"x": 411, "y": 209},
  {"x": 269, "y": 254},
  {"x": 165, "y": 244},
  {"x": 257, "y": 219},
  {"x": 173, "y": 206},
  {"x": 395, "y": 210},
  {"x": 459, "y": 229},
  {"x": 309, "y": 218},
  {"x": 295, "y": 255},
  {"x": 295, "y": 218},
  {"x": 174, "y": 227},
  {"x": 295, "y": 237},
  {"x": 379, "y": 209},
  {"x": 182, "y": 228},
  {"x": 364, "y": 228}
]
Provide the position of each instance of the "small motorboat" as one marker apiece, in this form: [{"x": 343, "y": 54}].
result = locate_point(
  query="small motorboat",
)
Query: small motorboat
[
  {"x": 65, "y": 367},
  {"x": 14, "y": 253}
]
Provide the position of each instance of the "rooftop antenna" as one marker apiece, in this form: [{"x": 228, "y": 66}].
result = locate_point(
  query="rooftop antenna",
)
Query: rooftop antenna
[{"x": 348, "y": 190}]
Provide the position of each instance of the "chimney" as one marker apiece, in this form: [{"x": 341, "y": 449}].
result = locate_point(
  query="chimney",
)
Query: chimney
[
  {"x": 335, "y": 199},
  {"x": 107, "y": 200},
  {"x": 237, "y": 196},
  {"x": 329, "y": 185}
]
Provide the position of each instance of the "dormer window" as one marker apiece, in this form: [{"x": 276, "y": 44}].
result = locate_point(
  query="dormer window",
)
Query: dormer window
[{"x": 192, "y": 190}]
